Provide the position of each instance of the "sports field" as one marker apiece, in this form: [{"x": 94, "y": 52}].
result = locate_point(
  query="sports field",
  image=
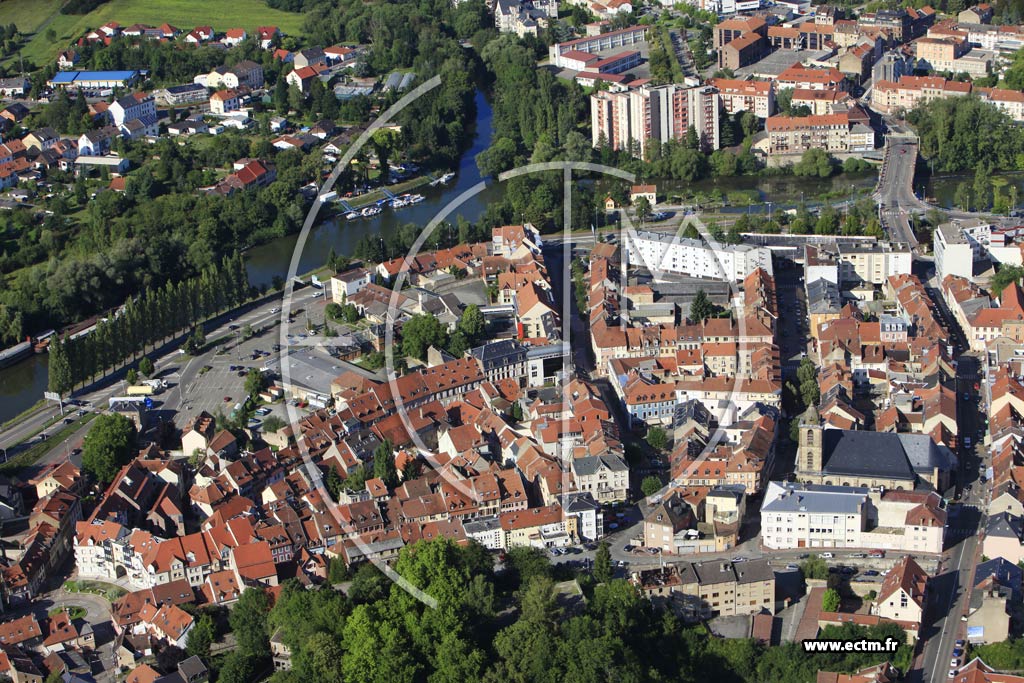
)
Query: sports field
[{"x": 39, "y": 16}]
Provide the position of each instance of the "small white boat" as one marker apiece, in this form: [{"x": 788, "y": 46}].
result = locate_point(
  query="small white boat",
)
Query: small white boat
[
  {"x": 351, "y": 214},
  {"x": 447, "y": 177},
  {"x": 416, "y": 199}
]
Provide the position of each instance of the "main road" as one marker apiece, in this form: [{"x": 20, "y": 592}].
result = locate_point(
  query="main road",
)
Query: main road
[
  {"x": 14, "y": 438},
  {"x": 895, "y": 192},
  {"x": 950, "y": 590}
]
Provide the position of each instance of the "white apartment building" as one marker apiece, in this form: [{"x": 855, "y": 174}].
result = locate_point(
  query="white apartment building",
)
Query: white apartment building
[
  {"x": 130, "y": 107},
  {"x": 872, "y": 263},
  {"x": 798, "y": 516},
  {"x": 672, "y": 254},
  {"x": 811, "y": 516},
  {"x": 954, "y": 254},
  {"x": 633, "y": 119}
]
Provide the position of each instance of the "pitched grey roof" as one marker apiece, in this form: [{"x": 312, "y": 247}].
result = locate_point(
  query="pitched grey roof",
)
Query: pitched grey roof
[
  {"x": 925, "y": 455},
  {"x": 481, "y": 525},
  {"x": 1005, "y": 525},
  {"x": 868, "y": 454},
  {"x": 579, "y": 502},
  {"x": 1005, "y": 572},
  {"x": 845, "y": 500},
  {"x": 715, "y": 571},
  {"x": 823, "y": 296},
  {"x": 498, "y": 353},
  {"x": 592, "y": 464},
  {"x": 753, "y": 570}
]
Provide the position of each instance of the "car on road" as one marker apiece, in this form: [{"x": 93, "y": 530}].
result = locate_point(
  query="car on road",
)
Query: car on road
[
  {"x": 275, "y": 310},
  {"x": 232, "y": 327},
  {"x": 739, "y": 558},
  {"x": 877, "y": 553},
  {"x": 68, "y": 420},
  {"x": 227, "y": 399},
  {"x": 75, "y": 451},
  {"x": 871, "y": 572}
]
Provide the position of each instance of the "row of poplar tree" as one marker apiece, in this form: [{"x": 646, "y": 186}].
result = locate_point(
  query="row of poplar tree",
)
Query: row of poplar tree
[{"x": 155, "y": 316}]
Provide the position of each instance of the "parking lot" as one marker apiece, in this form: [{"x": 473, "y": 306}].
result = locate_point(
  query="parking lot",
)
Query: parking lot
[{"x": 217, "y": 379}]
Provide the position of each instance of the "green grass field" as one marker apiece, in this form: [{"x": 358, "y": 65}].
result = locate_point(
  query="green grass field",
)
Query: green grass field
[
  {"x": 41, "y": 15},
  {"x": 27, "y": 15}
]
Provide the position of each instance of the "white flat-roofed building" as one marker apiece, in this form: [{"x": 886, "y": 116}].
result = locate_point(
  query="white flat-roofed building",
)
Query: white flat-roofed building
[
  {"x": 672, "y": 254},
  {"x": 953, "y": 252},
  {"x": 872, "y": 262}
]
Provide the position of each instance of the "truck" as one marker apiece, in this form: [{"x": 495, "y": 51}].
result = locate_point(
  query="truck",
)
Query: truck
[{"x": 141, "y": 390}]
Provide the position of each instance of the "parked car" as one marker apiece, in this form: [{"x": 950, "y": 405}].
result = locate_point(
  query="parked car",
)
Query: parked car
[{"x": 826, "y": 556}]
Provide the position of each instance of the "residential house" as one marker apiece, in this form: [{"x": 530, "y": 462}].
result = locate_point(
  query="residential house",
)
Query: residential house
[
  {"x": 224, "y": 102},
  {"x": 902, "y": 595}
]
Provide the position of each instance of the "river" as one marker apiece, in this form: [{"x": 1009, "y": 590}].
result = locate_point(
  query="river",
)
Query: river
[
  {"x": 942, "y": 188},
  {"x": 272, "y": 259},
  {"x": 22, "y": 385}
]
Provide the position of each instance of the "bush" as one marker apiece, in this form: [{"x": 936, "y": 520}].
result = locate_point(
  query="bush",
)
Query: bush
[
  {"x": 814, "y": 568},
  {"x": 831, "y": 600},
  {"x": 650, "y": 485}
]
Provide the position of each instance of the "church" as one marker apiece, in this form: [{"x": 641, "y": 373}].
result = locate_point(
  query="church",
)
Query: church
[{"x": 841, "y": 457}]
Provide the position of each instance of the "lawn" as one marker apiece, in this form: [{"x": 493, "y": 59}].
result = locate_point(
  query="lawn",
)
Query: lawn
[
  {"x": 185, "y": 14},
  {"x": 109, "y": 591},
  {"x": 27, "y": 15}
]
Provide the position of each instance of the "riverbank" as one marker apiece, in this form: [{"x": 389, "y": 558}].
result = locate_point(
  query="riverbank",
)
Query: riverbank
[{"x": 375, "y": 196}]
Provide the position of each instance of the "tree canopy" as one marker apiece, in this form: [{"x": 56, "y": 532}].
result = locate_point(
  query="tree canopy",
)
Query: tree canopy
[{"x": 108, "y": 446}]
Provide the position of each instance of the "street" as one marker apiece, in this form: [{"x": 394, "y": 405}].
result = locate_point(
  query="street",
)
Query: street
[{"x": 168, "y": 366}]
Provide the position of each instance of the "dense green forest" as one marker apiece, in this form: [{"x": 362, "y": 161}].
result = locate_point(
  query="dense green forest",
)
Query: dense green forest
[
  {"x": 515, "y": 626},
  {"x": 959, "y": 133}
]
